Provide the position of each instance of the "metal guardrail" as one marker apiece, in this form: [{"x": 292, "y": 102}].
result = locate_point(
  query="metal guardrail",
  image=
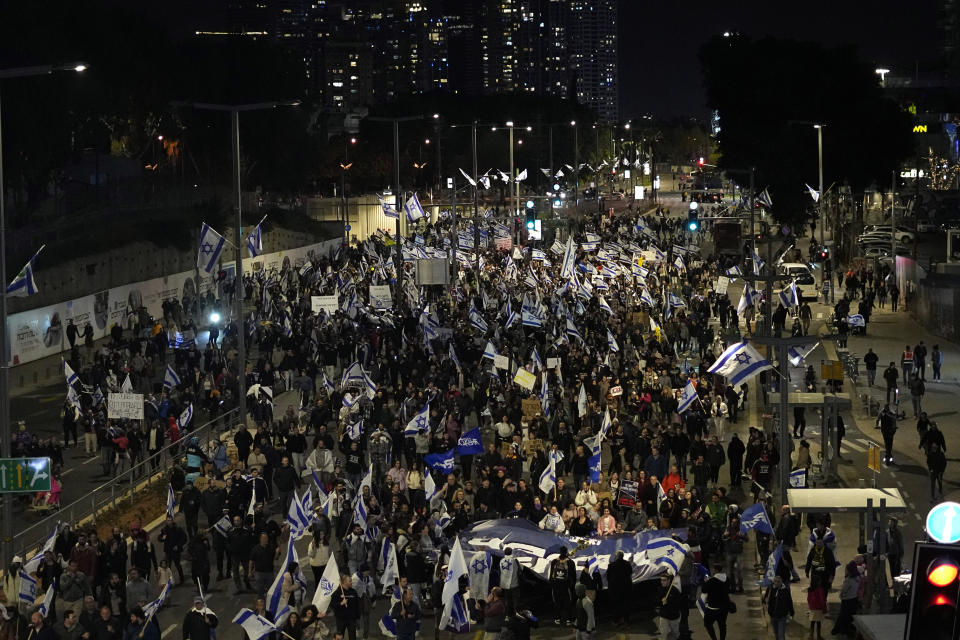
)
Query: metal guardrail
[{"x": 152, "y": 469}]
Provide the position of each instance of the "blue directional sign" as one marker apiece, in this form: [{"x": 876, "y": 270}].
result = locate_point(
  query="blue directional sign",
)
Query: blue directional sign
[
  {"x": 943, "y": 523},
  {"x": 347, "y": 227}
]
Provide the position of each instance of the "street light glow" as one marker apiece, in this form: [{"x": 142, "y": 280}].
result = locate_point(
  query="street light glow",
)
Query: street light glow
[
  {"x": 436, "y": 116},
  {"x": 214, "y": 317},
  {"x": 80, "y": 68},
  {"x": 573, "y": 123},
  {"x": 509, "y": 123}
]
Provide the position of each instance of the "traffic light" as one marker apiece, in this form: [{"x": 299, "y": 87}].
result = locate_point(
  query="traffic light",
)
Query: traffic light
[
  {"x": 531, "y": 215},
  {"x": 693, "y": 218},
  {"x": 936, "y": 593}
]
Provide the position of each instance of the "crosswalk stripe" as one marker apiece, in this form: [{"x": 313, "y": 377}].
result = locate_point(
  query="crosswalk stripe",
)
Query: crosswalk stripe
[
  {"x": 855, "y": 447},
  {"x": 869, "y": 443}
]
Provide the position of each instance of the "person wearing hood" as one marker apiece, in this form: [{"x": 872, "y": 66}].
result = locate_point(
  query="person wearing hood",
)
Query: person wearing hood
[{"x": 717, "y": 605}]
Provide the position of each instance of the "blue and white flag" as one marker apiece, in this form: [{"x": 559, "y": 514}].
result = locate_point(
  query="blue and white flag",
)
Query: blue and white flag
[
  {"x": 755, "y": 517},
  {"x": 70, "y": 375},
  {"x": 150, "y": 609},
  {"x": 170, "y": 378},
  {"x": 798, "y": 479},
  {"x": 223, "y": 526},
  {"x": 171, "y": 501},
  {"x": 678, "y": 263},
  {"x": 255, "y": 242},
  {"x": 646, "y": 298},
  {"x": 391, "y": 570},
  {"x": 668, "y": 552},
  {"x": 454, "y": 358},
  {"x": 329, "y": 582},
  {"x": 688, "y": 397},
  {"x": 765, "y": 198},
  {"x": 545, "y": 396},
  {"x": 856, "y": 320},
  {"x": 454, "y": 613},
  {"x": 548, "y": 479},
  {"x": 47, "y": 603},
  {"x": 537, "y": 362},
  {"x": 569, "y": 257},
  {"x": 490, "y": 351},
  {"x": 298, "y": 519},
  {"x": 31, "y": 565},
  {"x": 798, "y": 353},
  {"x": 327, "y": 383},
  {"x": 349, "y": 401},
  {"x": 274, "y": 594},
  {"x": 530, "y": 319},
  {"x": 477, "y": 321},
  {"x": 354, "y": 429},
  {"x": 747, "y": 299},
  {"x": 739, "y": 363},
  {"x": 470, "y": 443},
  {"x": 429, "y": 487},
  {"x": 479, "y": 567},
  {"x": 419, "y": 422},
  {"x": 211, "y": 246},
  {"x": 412, "y": 209},
  {"x": 788, "y": 296},
  {"x": 23, "y": 284},
  {"x": 734, "y": 271},
  {"x": 440, "y": 461},
  {"x": 572, "y": 330},
  {"x": 771, "y": 569},
  {"x": 594, "y": 468},
  {"x": 388, "y": 209},
  {"x": 612, "y": 342},
  {"x": 28, "y": 589},
  {"x": 185, "y": 417},
  {"x": 256, "y": 627},
  {"x": 757, "y": 261},
  {"x": 605, "y": 425}
]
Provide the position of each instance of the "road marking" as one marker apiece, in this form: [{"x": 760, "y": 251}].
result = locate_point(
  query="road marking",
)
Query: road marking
[
  {"x": 168, "y": 630},
  {"x": 855, "y": 447},
  {"x": 911, "y": 505},
  {"x": 893, "y": 474},
  {"x": 93, "y": 459},
  {"x": 67, "y": 471},
  {"x": 819, "y": 315},
  {"x": 869, "y": 443}
]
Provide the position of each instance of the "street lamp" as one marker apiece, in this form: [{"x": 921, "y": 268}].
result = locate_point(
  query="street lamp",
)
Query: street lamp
[
  {"x": 576, "y": 165},
  {"x": 234, "y": 111},
  {"x": 19, "y": 72},
  {"x": 880, "y": 71},
  {"x": 819, "y": 127}
]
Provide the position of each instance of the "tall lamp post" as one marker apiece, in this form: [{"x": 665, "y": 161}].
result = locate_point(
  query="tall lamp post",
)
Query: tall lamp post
[
  {"x": 576, "y": 165},
  {"x": 820, "y": 198},
  {"x": 234, "y": 111},
  {"x": 5, "y": 74}
]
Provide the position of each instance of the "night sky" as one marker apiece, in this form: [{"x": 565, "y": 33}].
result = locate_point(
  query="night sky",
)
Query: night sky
[{"x": 660, "y": 73}]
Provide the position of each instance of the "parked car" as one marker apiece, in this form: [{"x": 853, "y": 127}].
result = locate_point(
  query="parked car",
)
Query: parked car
[
  {"x": 803, "y": 275},
  {"x": 904, "y": 235}
]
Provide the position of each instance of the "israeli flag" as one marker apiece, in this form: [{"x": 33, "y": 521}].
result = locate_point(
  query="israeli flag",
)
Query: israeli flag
[
  {"x": 211, "y": 246},
  {"x": 511, "y": 316},
  {"x": 537, "y": 362},
  {"x": 605, "y": 424},
  {"x": 185, "y": 417},
  {"x": 171, "y": 501},
  {"x": 329, "y": 582},
  {"x": 255, "y": 242},
  {"x": 612, "y": 342},
  {"x": 771, "y": 569},
  {"x": 765, "y": 198},
  {"x": 678, "y": 263},
  {"x": 734, "y": 271},
  {"x": 668, "y": 552},
  {"x": 440, "y": 461},
  {"x": 223, "y": 526},
  {"x": 479, "y": 567},
  {"x": 23, "y": 284},
  {"x": 530, "y": 319},
  {"x": 798, "y": 479},
  {"x": 391, "y": 571},
  {"x": 572, "y": 330},
  {"x": 582, "y": 401},
  {"x": 298, "y": 520},
  {"x": 687, "y": 398},
  {"x": 470, "y": 443},
  {"x": 477, "y": 321},
  {"x": 419, "y": 422},
  {"x": 813, "y": 192},
  {"x": 429, "y": 487},
  {"x": 274, "y": 593},
  {"x": 28, "y": 589},
  {"x": 569, "y": 257},
  {"x": 548, "y": 479},
  {"x": 856, "y": 320},
  {"x": 747, "y": 299},
  {"x": 150, "y": 609},
  {"x": 70, "y": 374},
  {"x": 413, "y": 210},
  {"x": 170, "y": 378},
  {"x": 454, "y": 613},
  {"x": 388, "y": 210},
  {"x": 31, "y": 565},
  {"x": 349, "y": 401},
  {"x": 256, "y": 627},
  {"x": 47, "y": 603},
  {"x": 355, "y": 429},
  {"x": 646, "y": 298},
  {"x": 755, "y": 517},
  {"x": 490, "y": 351},
  {"x": 327, "y": 383},
  {"x": 604, "y": 306},
  {"x": 757, "y": 262},
  {"x": 788, "y": 297},
  {"x": 739, "y": 363},
  {"x": 798, "y": 353},
  {"x": 545, "y": 397}
]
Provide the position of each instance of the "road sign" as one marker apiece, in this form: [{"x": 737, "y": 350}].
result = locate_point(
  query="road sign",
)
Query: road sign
[
  {"x": 346, "y": 227},
  {"x": 873, "y": 457},
  {"x": 943, "y": 522},
  {"x": 19, "y": 475}
]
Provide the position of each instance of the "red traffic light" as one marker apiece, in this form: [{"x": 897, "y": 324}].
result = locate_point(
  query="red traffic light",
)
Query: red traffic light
[{"x": 941, "y": 573}]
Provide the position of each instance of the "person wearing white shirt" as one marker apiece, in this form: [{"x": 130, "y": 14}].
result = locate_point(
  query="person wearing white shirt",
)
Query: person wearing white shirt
[
  {"x": 718, "y": 411},
  {"x": 587, "y": 498},
  {"x": 364, "y": 585},
  {"x": 553, "y": 521},
  {"x": 509, "y": 578}
]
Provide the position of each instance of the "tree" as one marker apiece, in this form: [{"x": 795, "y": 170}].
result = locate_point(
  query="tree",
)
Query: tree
[{"x": 768, "y": 94}]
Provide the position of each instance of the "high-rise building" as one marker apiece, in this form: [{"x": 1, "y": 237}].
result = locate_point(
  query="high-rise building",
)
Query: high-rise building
[{"x": 360, "y": 52}]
